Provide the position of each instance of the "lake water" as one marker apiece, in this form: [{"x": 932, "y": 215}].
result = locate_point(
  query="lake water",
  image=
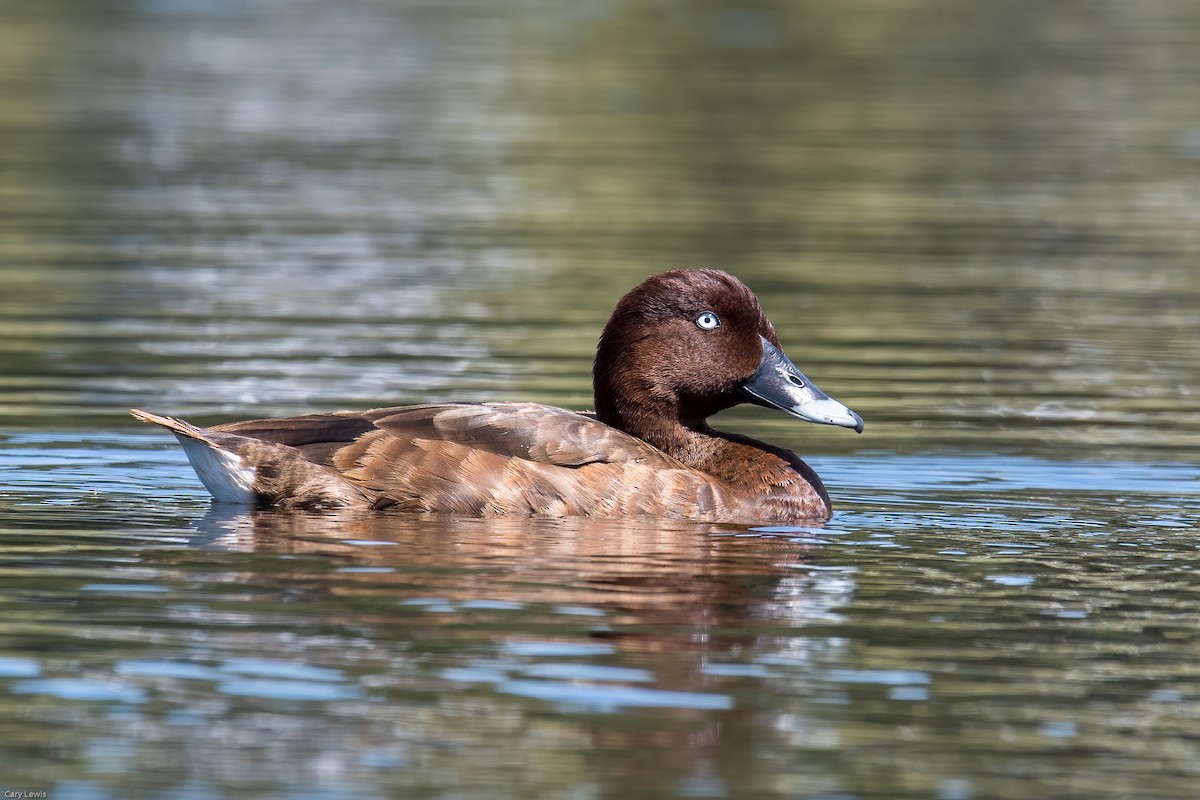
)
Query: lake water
[{"x": 977, "y": 224}]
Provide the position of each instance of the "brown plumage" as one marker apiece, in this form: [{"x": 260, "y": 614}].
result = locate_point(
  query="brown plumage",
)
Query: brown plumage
[{"x": 680, "y": 347}]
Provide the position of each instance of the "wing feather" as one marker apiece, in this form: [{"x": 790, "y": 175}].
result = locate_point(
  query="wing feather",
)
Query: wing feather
[
  {"x": 490, "y": 459},
  {"x": 529, "y": 431}
]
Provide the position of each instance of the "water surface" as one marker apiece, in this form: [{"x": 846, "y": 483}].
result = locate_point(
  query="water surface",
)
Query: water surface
[{"x": 976, "y": 224}]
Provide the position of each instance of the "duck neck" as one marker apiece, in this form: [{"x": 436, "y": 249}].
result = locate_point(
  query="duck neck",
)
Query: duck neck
[
  {"x": 633, "y": 396},
  {"x": 689, "y": 441}
]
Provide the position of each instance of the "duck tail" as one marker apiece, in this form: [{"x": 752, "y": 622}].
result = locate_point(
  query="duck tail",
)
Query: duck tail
[
  {"x": 176, "y": 426},
  {"x": 225, "y": 472}
]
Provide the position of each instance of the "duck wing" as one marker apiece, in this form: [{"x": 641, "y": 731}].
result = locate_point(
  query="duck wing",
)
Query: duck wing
[
  {"x": 470, "y": 459},
  {"x": 501, "y": 458},
  {"x": 527, "y": 431}
]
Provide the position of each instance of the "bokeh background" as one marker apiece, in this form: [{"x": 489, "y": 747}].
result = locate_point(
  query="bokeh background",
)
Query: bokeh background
[{"x": 975, "y": 222}]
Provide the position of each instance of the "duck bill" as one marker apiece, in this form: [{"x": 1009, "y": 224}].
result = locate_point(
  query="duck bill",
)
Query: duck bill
[{"x": 778, "y": 384}]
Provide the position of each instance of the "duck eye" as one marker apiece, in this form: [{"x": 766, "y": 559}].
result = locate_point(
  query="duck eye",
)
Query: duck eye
[{"x": 708, "y": 321}]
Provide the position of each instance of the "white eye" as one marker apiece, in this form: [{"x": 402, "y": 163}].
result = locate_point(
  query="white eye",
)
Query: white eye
[{"x": 708, "y": 321}]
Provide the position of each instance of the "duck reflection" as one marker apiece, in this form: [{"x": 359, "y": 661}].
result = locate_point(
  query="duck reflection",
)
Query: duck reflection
[
  {"x": 636, "y": 571},
  {"x": 692, "y": 632}
]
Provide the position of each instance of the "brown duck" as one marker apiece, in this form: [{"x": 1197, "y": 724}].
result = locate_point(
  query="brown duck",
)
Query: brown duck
[{"x": 680, "y": 347}]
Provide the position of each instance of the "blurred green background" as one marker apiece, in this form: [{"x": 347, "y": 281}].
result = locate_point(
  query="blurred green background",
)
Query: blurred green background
[{"x": 976, "y": 223}]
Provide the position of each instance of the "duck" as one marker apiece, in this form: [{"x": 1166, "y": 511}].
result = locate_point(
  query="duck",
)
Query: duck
[{"x": 680, "y": 347}]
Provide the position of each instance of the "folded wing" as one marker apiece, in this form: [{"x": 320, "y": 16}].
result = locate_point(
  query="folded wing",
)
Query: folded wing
[{"x": 490, "y": 459}]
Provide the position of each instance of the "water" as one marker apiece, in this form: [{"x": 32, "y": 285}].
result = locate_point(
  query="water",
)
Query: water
[{"x": 977, "y": 225}]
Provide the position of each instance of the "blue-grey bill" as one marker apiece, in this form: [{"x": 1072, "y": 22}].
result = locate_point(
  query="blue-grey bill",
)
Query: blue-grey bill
[{"x": 778, "y": 384}]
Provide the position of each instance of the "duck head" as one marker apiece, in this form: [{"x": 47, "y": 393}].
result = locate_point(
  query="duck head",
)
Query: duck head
[{"x": 685, "y": 344}]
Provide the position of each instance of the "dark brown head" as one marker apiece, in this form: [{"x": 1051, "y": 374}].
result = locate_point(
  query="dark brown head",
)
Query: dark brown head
[{"x": 685, "y": 344}]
